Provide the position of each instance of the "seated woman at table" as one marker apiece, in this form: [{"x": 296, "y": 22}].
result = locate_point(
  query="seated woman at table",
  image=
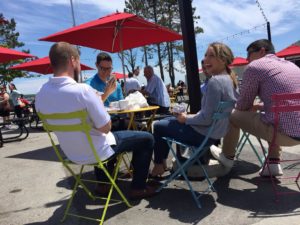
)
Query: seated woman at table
[{"x": 191, "y": 129}]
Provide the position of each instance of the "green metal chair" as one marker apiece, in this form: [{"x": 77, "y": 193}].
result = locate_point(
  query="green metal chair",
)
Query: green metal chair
[
  {"x": 84, "y": 127},
  {"x": 222, "y": 112}
]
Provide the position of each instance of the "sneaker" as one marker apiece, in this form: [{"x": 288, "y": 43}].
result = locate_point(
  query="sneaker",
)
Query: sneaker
[
  {"x": 219, "y": 155},
  {"x": 275, "y": 170},
  {"x": 216, "y": 149}
]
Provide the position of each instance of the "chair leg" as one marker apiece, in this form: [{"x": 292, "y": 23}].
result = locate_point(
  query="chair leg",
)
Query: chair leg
[
  {"x": 181, "y": 171},
  {"x": 267, "y": 164},
  {"x": 245, "y": 138},
  {"x": 113, "y": 186},
  {"x": 127, "y": 165},
  {"x": 298, "y": 177},
  {"x": 72, "y": 196}
]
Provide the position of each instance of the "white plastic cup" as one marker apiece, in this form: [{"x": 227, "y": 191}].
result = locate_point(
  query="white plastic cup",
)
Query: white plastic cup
[{"x": 123, "y": 104}]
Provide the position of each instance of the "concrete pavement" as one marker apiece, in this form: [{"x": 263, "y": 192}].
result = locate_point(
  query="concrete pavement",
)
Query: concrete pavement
[{"x": 35, "y": 187}]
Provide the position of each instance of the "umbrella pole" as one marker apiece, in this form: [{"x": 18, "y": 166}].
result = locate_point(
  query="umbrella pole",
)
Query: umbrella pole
[
  {"x": 122, "y": 57},
  {"x": 124, "y": 75}
]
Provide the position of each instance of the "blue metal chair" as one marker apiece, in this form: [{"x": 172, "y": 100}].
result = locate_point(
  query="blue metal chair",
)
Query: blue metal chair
[
  {"x": 242, "y": 141},
  {"x": 223, "y": 111}
]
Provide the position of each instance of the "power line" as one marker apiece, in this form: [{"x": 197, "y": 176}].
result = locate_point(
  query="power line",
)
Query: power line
[
  {"x": 236, "y": 35},
  {"x": 268, "y": 23},
  {"x": 262, "y": 11}
]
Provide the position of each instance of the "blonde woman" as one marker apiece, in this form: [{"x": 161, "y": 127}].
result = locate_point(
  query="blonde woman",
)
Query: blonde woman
[{"x": 192, "y": 129}]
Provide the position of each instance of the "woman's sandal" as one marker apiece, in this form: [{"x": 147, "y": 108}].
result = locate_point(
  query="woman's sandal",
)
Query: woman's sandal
[{"x": 156, "y": 177}]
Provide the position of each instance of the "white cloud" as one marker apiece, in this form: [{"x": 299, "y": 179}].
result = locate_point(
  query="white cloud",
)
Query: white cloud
[
  {"x": 110, "y": 5},
  {"x": 225, "y": 17},
  {"x": 221, "y": 19}
]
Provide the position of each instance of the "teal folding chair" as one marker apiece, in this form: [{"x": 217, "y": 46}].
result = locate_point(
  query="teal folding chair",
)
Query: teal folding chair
[
  {"x": 223, "y": 111},
  {"x": 241, "y": 143},
  {"x": 245, "y": 139}
]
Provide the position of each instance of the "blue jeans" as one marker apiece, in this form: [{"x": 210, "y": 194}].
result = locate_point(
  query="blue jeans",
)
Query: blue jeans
[
  {"x": 170, "y": 127},
  {"x": 140, "y": 143}
]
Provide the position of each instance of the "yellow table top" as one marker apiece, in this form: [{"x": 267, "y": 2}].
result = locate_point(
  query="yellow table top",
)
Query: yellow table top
[{"x": 148, "y": 108}]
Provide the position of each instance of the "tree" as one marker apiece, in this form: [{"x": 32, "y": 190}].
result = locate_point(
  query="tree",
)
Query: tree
[
  {"x": 9, "y": 38},
  {"x": 169, "y": 16},
  {"x": 165, "y": 13}
]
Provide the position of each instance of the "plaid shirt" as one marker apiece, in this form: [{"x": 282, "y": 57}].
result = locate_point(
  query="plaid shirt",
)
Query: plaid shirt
[{"x": 267, "y": 76}]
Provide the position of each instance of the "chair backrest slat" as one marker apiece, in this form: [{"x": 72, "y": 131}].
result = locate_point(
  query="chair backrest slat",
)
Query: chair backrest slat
[
  {"x": 223, "y": 112},
  {"x": 286, "y": 108},
  {"x": 285, "y": 102},
  {"x": 285, "y": 96},
  {"x": 80, "y": 126}
]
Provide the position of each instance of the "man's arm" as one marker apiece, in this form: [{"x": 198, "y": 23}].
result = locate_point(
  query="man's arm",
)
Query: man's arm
[
  {"x": 249, "y": 89},
  {"x": 106, "y": 128},
  {"x": 96, "y": 110}
]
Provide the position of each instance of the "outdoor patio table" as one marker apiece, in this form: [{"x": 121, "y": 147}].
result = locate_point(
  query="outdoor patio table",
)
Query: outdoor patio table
[{"x": 132, "y": 114}]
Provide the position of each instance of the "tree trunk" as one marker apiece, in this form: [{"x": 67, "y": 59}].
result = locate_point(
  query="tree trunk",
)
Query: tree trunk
[
  {"x": 160, "y": 63},
  {"x": 158, "y": 45},
  {"x": 145, "y": 54}
]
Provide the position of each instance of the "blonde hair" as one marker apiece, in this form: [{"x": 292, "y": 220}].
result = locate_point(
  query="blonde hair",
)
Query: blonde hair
[{"x": 224, "y": 53}]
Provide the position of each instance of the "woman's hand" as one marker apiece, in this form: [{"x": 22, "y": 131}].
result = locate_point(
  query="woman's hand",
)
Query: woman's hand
[{"x": 181, "y": 117}]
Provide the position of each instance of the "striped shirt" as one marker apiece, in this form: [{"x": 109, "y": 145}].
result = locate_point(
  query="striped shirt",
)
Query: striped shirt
[{"x": 267, "y": 76}]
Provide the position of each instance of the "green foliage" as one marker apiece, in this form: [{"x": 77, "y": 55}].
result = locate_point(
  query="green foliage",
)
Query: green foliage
[
  {"x": 9, "y": 39},
  {"x": 165, "y": 13}
]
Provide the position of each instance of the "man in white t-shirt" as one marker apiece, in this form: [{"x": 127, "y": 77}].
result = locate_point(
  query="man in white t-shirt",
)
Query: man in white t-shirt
[
  {"x": 62, "y": 94},
  {"x": 132, "y": 84}
]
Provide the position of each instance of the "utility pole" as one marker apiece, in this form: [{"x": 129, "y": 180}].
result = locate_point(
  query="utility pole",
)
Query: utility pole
[{"x": 269, "y": 31}]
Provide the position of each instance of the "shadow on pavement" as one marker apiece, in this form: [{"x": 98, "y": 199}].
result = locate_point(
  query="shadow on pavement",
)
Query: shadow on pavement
[
  {"x": 181, "y": 206},
  {"x": 46, "y": 154},
  {"x": 255, "y": 194},
  {"x": 83, "y": 205}
]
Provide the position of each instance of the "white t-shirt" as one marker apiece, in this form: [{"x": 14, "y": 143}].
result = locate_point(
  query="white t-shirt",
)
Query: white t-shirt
[
  {"x": 63, "y": 95},
  {"x": 132, "y": 84}
]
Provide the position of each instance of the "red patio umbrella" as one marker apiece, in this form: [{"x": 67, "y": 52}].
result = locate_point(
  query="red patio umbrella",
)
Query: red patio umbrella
[
  {"x": 292, "y": 50},
  {"x": 115, "y": 32},
  {"x": 239, "y": 61},
  {"x": 119, "y": 75},
  {"x": 7, "y": 55},
  {"x": 41, "y": 65}
]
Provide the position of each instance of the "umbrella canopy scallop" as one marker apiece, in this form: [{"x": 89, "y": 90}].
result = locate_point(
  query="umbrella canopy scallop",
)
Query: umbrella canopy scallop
[
  {"x": 41, "y": 65},
  {"x": 7, "y": 55}
]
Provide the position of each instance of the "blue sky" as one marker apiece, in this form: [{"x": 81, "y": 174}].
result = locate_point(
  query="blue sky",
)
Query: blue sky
[{"x": 219, "y": 19}]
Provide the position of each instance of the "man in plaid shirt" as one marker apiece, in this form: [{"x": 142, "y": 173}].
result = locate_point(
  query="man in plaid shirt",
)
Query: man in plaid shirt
[{"x": 265, "y": 75}]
